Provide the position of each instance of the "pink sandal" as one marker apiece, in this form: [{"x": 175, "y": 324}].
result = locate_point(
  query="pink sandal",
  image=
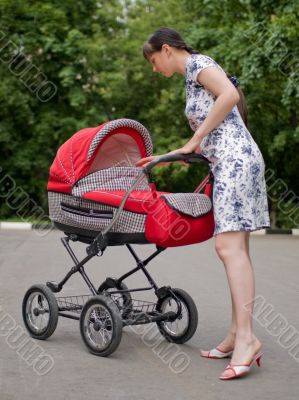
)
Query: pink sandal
[
  {"x": 242, "y": 369},
  {"x": 217, "y": 353}
]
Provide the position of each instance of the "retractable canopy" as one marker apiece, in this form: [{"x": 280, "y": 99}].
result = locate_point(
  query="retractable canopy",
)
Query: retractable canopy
[{"x": 121, "y": 142}]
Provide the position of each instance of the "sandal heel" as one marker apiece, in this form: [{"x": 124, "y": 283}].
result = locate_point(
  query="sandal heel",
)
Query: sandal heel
[{"x": 258, "y": 360}]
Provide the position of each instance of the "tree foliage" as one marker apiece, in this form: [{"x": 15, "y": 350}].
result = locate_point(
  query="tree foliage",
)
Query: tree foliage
[{"x": 90, "y": 51}]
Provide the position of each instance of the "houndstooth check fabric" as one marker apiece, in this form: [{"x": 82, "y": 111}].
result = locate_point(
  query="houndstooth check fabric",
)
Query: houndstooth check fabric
[
  {"x": 193, "y": 204},
  {"x": 128, "y": 222},
  {"x": 120, "y": 123},
  {"x": 114, "y": 178}
]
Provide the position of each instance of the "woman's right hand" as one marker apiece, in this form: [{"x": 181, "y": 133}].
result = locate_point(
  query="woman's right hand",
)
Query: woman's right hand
[{"x": 143, "y": 162}]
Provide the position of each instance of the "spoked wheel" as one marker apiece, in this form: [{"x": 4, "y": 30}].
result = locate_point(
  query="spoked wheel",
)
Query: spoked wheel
[
  {"x": 101, "y": 325},
  {"x": 40, "y": 312},
  {"x": 122, "y": 300},
  {"x": 184, "y": 327}
]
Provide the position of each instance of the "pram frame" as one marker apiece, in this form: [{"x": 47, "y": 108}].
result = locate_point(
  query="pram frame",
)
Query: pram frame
[
  {"x": 132, "y": 312},
  {"x": 141, "y": 264},
  {"x": 99, "y": 244}
]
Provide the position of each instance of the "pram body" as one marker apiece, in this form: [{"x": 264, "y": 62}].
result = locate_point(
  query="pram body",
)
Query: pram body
[
  {"x": 99, "y": 197},
  {"x": 92, "y": 173}
]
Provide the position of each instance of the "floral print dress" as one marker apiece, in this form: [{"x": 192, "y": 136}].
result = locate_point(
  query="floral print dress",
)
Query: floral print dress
[{"x": 239, "y": 191}]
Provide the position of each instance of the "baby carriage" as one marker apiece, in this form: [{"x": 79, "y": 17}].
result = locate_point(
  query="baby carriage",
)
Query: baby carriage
[{"x": 97, "y": 196}]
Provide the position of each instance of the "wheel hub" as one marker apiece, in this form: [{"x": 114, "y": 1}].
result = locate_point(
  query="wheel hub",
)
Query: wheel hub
[
  {"x": 36, "y": 312},
  {"x": 97, "y": 326}
]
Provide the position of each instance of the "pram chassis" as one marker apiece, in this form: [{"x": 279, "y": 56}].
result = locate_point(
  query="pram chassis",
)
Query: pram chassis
[{"x": 112, "y": 296}]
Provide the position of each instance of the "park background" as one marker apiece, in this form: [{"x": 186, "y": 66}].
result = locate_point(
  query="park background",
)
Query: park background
[{"x": 74, "y": 64}]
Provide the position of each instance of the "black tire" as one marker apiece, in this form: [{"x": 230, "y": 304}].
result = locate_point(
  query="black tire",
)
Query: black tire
[
  {"x": 39, "y": 301},
  {"x": 122, "y": 300},
  {"x": 189, "y": 310},
  {"x": 107, "y": 319}
]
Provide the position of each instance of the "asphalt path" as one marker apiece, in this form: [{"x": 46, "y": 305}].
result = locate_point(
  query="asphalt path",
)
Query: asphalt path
[{"x": 144, "y": 367}]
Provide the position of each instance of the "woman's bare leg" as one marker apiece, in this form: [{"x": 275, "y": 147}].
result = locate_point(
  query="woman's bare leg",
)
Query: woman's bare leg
[
  {"x": 233, "y": 327},
  {"x": 233, "y": 250},
  {"x": 229, "y": 341},
  {"x": 247, "y": 237}
]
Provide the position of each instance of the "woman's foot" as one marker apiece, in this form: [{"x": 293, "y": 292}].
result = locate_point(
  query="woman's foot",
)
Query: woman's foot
[
  {"x": 244, "y": 352},
  {"x": 226, "y": 346},
  {"x": 239, "y": 370}
]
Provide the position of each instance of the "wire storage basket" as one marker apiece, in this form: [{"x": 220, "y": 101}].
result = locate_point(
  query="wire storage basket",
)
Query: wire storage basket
[
  {"x": 72, "y": 304},
  {"x": 137, "y": 311}
]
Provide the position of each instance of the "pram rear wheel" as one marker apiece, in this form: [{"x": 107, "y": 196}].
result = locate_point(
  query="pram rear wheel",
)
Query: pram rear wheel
[
  {"x": 101, "y": 325},
  {"x": 40, "y": 312},
  {"x": 184, "y": 326},
  {"x": 122, "y": 300}
]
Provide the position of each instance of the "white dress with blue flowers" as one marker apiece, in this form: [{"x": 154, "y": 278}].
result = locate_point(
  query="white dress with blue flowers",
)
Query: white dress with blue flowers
[{"x": 239, "y": 191}]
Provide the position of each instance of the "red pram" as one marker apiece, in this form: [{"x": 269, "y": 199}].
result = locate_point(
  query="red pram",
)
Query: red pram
[
  {"x": 95, "y": 170},
  {"x": 98, "y": 197}
]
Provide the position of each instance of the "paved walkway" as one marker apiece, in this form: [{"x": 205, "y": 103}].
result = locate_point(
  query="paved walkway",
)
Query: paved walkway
[{"x": 141, "y": 368}]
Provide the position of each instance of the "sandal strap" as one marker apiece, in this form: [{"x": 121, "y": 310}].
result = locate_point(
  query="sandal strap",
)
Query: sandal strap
[
  {"x": 221, "y": 351},
  {"x": 218, "y": 353},
  {"x": 240, "y": 365},
  {"x": 231, "y": 368}
]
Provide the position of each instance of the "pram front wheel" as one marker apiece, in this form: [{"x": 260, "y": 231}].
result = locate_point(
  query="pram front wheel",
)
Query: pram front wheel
[
  {"x": 101, "y": 325},
  {"x": 184, "y": 326},
  {"x": 40, "y": 312}
]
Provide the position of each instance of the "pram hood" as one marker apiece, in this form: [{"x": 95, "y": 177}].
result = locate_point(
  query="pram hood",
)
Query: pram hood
[{"x": 121, "y": 142}]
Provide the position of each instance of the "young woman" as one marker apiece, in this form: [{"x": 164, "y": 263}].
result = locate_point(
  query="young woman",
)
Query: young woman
[{"x": 216, "y": 113}]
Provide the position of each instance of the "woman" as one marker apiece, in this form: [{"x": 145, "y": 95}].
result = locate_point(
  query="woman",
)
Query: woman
[{"x": 239, "y": 193}]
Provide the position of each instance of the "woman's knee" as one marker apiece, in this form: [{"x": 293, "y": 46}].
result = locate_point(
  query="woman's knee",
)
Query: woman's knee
[
  {"x": 229, "y": 245},
  {"x": 223, "y": 250}
]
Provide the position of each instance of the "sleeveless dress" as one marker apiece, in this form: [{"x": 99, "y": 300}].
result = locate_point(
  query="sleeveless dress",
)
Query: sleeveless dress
[{"x": 239, "y": 190}]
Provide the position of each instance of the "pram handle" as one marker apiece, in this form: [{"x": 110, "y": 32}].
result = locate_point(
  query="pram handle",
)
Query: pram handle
[{"x": 189, "y": 158}]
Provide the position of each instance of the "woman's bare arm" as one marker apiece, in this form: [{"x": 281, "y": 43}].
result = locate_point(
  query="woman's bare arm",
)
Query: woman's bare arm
[
  {"x": 227, "y": 96},
  {"x": 215, "y": 81}
]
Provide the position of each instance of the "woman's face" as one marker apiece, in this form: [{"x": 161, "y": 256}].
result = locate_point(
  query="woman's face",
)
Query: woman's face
[{"x": 161, "y": 63}]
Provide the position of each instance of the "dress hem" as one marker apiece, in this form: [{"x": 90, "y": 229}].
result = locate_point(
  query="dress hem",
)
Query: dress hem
[{"x": 241, "y": 229}]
